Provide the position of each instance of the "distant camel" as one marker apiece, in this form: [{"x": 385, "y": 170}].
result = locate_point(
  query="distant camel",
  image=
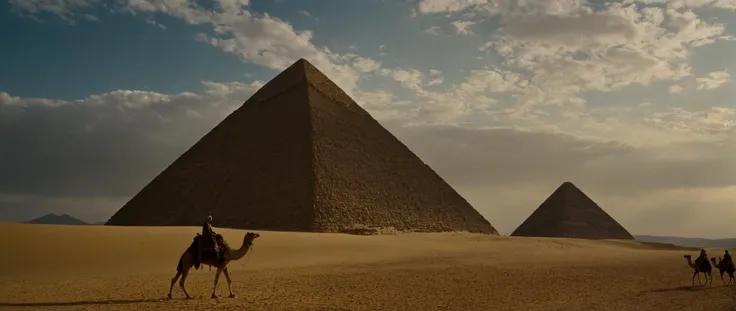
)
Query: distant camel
[
  {"x": 703, "y": 267},
  {"x": 210, "y": 258},
  {"x": 724, "y": 267}
]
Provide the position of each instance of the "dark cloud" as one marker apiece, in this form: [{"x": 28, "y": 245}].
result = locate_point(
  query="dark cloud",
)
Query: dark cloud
[{"x": 103, "y": 146}]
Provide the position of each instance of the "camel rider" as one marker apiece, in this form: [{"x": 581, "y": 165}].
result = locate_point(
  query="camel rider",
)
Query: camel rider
[
  {"x": 703, "y": 258},
  {"x": 727, "y": 258},
  {"x": 207, "y": 228},
  {"x": 209, "y": 237}
]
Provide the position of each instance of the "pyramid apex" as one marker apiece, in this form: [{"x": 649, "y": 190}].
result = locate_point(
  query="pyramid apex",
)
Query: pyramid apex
[
  {"x": 302, "y": 61},
  {"x": 295, "y": 74},
  {"x": 568, "y": 187},
  {"x": 299, "y": 72},
  {"x": 301, "y": 67}
]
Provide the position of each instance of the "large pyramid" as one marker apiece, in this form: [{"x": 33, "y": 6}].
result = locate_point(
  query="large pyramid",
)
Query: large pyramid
[
  {"x": 301, "y": 155},
  {"x": 569, "y": 213}
]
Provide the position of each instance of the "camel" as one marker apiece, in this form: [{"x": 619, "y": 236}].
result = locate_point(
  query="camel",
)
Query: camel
[
  {"x": 703, "y": 267},
  {"x": 187, "y": 261},
  {"x": 725, "y": 267}
]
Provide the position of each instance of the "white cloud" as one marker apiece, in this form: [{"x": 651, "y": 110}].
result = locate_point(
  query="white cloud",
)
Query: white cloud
[
  {"x": 463, "y": 27},
  {"x": 709, "y": 81},
  {"x": 435, "y": 81},
  {"x": 675, "y": 89},
  {"x": 408, "y": 77},
  {"x": 716, "y": 120},
  {"x": 154, "y": 23},
  {"x": 500, "y": 6},
  {"x": 307, "y": 14},
  {"x": 603, "y": 50},
  {"x": 364, "y": 65},
  {"x": 460, "y": 99},
  {"x": 434, "y": 30},
  {"x": 713, "y": 80},
  {"x": 690, "y": 4},
  {"x": 566, "y": 48}
]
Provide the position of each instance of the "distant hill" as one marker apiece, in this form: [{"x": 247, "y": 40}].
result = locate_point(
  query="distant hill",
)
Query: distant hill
[
  {"x": 699, "y": 242},
  {"x": 53, "y": 219}
]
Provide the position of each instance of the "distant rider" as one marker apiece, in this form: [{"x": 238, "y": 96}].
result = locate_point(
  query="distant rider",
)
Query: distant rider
[
  {"x": 702, "y": 259},
  {"x": 727, "y": 258}
]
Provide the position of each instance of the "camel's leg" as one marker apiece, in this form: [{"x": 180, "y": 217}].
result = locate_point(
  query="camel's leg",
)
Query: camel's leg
[
  {"x": 696, "y": 274},
  {"x": 217, "y": 278},
  {"x": 229, "y": 282},
  {"x": 710, "y": 274},
  {"x": 186, "y": 266},
  {"x": 181, "y": 282},
  {"x": 173, "y": 281},
  {"x": 724, "y": 281}
]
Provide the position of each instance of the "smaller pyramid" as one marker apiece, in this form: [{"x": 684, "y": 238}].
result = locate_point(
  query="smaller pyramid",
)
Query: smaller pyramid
[
  {"x": 569, "y": 213},
  {"x": 53, "y": 219}
]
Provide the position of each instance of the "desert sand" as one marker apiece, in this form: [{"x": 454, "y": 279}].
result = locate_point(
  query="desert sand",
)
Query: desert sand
[{"x": 47, "y": 267}]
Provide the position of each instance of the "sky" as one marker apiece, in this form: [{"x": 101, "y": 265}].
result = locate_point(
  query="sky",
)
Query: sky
[{"x": 632, "y": 101}]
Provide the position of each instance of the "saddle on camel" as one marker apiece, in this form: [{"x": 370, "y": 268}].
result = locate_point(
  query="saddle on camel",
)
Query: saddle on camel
[{"x": 209, "y": 245}]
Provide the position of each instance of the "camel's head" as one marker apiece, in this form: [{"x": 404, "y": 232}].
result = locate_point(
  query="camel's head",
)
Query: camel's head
[
  {"x": 687, "y": 256},
  {"x": 713, "y": 259},
  {"x": 250, "y": 236}
]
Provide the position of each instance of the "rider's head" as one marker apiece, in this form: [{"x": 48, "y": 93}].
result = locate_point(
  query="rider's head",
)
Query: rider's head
[
  {"x": 209, "y": 218},
  {"x": 702, "y": 251},
  {"x": 726, "y": 251}
]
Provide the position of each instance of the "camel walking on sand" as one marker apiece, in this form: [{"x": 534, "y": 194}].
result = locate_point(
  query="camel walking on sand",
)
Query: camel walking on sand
[
  {"x": 703, "y": 267},
  {"x": 212, "y": 259},
  {"x": 724, "y": 267}
]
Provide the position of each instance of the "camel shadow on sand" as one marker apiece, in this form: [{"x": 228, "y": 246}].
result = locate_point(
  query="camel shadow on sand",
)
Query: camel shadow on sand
[
  {"x": 686, "y": 288},
  {"x": 79, "y": 303}
]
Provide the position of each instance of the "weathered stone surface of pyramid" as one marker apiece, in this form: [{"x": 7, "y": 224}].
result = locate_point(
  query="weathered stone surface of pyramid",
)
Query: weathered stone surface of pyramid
[
  {"x": 301, "y": 155},
  {"x": 570, "y": 213}
]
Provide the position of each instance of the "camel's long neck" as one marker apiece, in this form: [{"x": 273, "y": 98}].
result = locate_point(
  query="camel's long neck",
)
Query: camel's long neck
[
  {"x": 240, "y": 252},
  {"x": 690, "y": 262}
]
